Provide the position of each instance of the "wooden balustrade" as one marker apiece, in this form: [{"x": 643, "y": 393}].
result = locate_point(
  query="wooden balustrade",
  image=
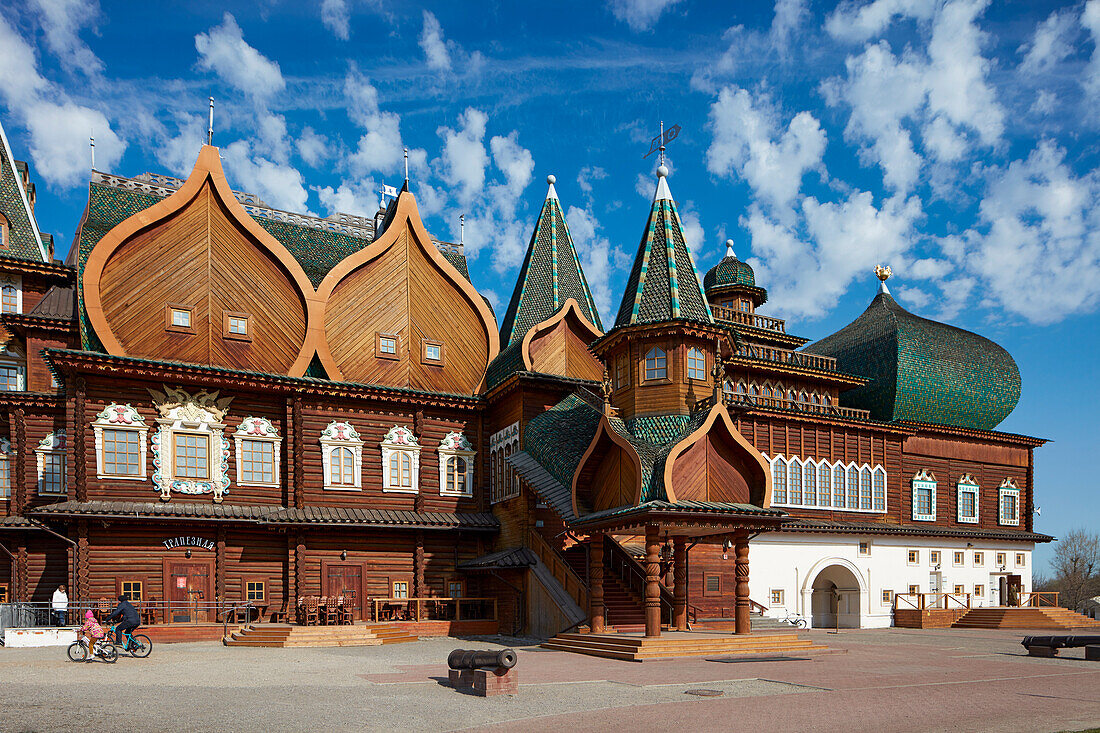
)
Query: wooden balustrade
[
  {"x": 782, "y": 403},
  {"x": 573, "y": 585},
  {"x": 786, "y": 356},
  {"x": 1039, "y": 599},
  {"x": 923, "y": 601},
  {"x": 754, "y": 320}
]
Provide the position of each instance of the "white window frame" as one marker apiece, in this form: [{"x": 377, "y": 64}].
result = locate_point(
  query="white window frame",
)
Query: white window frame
[
  {"x": 259, "y": 430},
  {"x": 52, "y": 445},
  {"x": 501, "y": 442},
  {"x": 824, "y": 495},
  {"x": 1008, "y": 488},
  {"x": 455, "y": 445},
  {"x": 924, "y": 480},
  {"x": 887, "y": 600},
  {"x": 340, "y": 434},
  {"x": 5, "y": 459},
  {"x": 781, "y": 603},
  {"x": 200, "y": 414},
  {"x": 400, "y": 439},
  {"x": 120, "y": 417},
  {"x": 16, "y": 281},
  {"x": 696, "y": 354},
  {"x": 967, "y": 485}
]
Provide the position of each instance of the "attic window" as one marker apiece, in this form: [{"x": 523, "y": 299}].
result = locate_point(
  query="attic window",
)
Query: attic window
[
  {"x": 179, "y": 318},
  {"x": 432, "y": 353},
  {"x": 236, "y": 326},
  {"x": 385, "y": 346},
  {"x": 4, "y": 226}
]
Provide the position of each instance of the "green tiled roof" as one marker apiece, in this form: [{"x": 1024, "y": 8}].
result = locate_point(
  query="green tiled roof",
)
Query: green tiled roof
[
  {"x": 508, "y": 362},
  {"x": 731, "y": 273},
  {"x": 922, "y": 370},
  {"x": 23, "y": 239},
  {"x": 663, "y": 284},
  {"x": 551, "y": 274},
  {"x": 658, "y": 428}
]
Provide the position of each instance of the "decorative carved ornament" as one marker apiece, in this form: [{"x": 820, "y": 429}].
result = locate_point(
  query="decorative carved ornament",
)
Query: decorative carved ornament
[
  {"x": 338, "y": 434},
  {"x": 199, "y": 413},
  {"x": 924, "y": 475},
  {"x": 400, "y": 439},
  {"x": 257, "y": 429},
  {"x": 455, "y": 445},
  {"x": 454, "y": 442},
  {"x": 120, "y": 417}
]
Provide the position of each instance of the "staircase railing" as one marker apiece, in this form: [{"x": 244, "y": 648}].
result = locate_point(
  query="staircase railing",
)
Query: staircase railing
[
  {"x": 758, "y": 608},
  {"x": 633, "y": 576},
  {"x": 1039, "y": 599},
  {"x": 559, "y": 568}
]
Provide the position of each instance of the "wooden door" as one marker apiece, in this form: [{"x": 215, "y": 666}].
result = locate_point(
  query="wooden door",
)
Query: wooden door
[
  {"x": 190, "y": 591},
  {"x": 346, "y": 580},
  {"x": 1015, "y": 589}
]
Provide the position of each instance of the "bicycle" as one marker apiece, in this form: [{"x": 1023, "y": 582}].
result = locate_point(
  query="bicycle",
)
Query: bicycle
[
  {"x": 139, "y": 645},
  {"x": 794, "y": 620},
  {"x": 102, "y": 648}
]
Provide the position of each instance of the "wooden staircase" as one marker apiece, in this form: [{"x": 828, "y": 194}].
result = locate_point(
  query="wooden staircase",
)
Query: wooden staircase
[
  {"x": 1052, "y": 617},
  {"x": 286, "y": 635},
  {"x": 636, "y": 648}
]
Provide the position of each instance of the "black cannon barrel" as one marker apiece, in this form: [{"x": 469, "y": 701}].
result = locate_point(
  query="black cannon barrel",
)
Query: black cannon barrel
[
  {"x": 488, "y": 659},
  {"x": 1061, "y": 642}
]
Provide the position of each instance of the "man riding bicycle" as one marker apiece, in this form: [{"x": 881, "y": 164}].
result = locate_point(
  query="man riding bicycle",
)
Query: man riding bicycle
[{"x": 130, "y": 618}]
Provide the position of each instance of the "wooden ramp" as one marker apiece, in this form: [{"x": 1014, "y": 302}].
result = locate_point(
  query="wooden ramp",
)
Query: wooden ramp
[
  {"x": 286, "y": 635},
  {"x": 637, "y": 648},
  {"x": 1053, "y": 617}
]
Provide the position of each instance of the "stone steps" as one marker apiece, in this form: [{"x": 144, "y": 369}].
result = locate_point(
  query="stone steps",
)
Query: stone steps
[
  {"x": 1025, "y": 618},
  {"x": 279, "y": 635},
  {"x": 638, "y": 648}
]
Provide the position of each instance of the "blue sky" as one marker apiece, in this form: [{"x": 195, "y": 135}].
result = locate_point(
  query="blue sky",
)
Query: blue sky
[{"x": 954, "y": 140}]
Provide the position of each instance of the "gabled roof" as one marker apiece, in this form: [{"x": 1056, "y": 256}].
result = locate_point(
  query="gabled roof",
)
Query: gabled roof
[
  {"x": 663, "y": 284},
  {"x": 58, "y": 303},
  {"x": 24, "y": 239},
  {"x": 551, "y": 274}
]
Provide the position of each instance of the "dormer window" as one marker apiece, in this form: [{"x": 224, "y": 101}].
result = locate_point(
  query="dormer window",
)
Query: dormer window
[
  {"x": 179, "y": 318},
  {"x": 385, "y": 346},
  {"x": 656, "y": 364},
  {"x": 4, "y": 226},
  {"x": 236, "y": 326},
  {"x": 432, "y": 353}
]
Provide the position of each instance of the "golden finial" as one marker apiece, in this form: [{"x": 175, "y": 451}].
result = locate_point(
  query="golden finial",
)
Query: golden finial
[
  {"x": 883, "y": 273},
  {"x": 608, "y": 388}
]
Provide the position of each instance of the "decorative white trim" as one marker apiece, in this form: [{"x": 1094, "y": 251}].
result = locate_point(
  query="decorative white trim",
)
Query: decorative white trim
[
  {"x": 811, "y": 493},
  {"x": 5, "y": 457},
  {"x": 182, "y": 412},
  {"x": 120, "y": 417},
  {"x": 1008, "y": 487},
  {"x": 923, "y": 480},
  {"x": 455, "y": 445},
  {"x": 502, "y": 444},
  {"x": 400, "y": 439},
  {"x": 260, "y": 430},
  {"x": 967, "y": 485},
  {"x": 53, "y": 444},
  {"x": 7, "y": 278},
  {"x": 340, "y": 434}
]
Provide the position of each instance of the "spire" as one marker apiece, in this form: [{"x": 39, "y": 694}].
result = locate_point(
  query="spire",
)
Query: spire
[
  {"x": 24, "y": 239},
  {"x": 729, "y": 249},
  {"x": 663, "y": 284},
  {"x": 551, "y": 275}
]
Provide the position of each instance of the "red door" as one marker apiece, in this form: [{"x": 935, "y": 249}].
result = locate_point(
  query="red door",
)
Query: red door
[
  {"x": 189, "y": 591},
  {"x": 347, "y": 581}
]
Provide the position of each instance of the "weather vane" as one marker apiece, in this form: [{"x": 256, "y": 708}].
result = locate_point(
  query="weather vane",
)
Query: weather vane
[{"x": 658, "y": 143}]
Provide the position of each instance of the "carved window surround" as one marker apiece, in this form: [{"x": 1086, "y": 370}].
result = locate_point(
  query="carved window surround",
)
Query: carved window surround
[
  {"x": 51, "y": 456},
  {"x": 259, "y": 430},
  {"x": 398, "y": 444},
  {"x": 120, "y": 417},
  {"x": 455, "y": 445},
  {"x": 203, "y": 414},
  {"x": 967, "y": 490},
  {"x": 340, "y": 435},
  {"x": 924, "y": 483}
]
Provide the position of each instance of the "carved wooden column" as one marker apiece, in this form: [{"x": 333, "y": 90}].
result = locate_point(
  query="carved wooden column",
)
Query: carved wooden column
[
  {"x": 219, "y": 566},
  {"x": 78, "y": 440},
  {"x": 297, "y": 426},
  {"x": 679, "y": 584},
  {"x": 20, "y": 580},
  {"x": 418, "y": 566},
  {"x": 83, "y": 590},
  {"x": 743, "y": 621},
  {"x": 595, "y": 583},
  {"x": 19, "y": 475},
  {"x": 652, "y": 580},
  {"x": 299, "y": 566}
]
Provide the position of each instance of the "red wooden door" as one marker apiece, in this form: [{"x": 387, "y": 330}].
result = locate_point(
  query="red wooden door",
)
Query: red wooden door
[
  {"x": 189, "y": 590},
  {"x": 346, "y": 580}
]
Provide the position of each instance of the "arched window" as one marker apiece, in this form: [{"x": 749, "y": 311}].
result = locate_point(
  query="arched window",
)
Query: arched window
[
  {"x": 456, "y": 465},
  {"x": 853, "y": 487},
  {"x": 3, "y": 228},
  {"x": 779, "y": 481},
  {"x": 400, "y": 461},
  {"x": 809, "y": 483},
  {"x": 697, "y": 365},
  {"x": 754, "y": 391},
  {"x": 792, "y": 396},
  {"x": 502, "y": 443},
  {"x": 342, "y": 467},
  {"x": 656, "y": 364},
  {"x": 838, "y": 486},
  {"x": 727, "y": 390},
  {"x": 11, "y": 293},
  {"x": 878, "y": 487},
  {"x": 823, "y": 484},
  {"x": 794, "y": 482},
  {"x": 865, "y": 488},
  {"x": 741, "y": 389},
  {"x": 456, "y": 475},
  {"x": 507, "y": 472}
]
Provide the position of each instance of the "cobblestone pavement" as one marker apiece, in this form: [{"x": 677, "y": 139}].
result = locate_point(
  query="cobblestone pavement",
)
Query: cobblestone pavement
[{"x": 883, "y": 680}]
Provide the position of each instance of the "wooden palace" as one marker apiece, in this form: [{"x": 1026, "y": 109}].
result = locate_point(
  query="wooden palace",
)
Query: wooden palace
[{"x": 214, "y": 403}]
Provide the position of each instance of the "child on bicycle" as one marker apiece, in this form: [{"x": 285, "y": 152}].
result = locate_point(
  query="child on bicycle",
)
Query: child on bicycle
[{"x": 93, "y": 632}]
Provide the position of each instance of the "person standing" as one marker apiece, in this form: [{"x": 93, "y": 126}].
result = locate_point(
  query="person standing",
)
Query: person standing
[{"x": 60, "y": 606}]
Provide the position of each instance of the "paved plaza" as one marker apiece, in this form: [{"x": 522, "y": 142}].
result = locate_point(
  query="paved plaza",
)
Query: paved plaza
[{"x": 882, "y": 680}]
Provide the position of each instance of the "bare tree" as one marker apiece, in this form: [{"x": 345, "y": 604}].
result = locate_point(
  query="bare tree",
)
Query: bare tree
[{"x": 1076, "y": 567}]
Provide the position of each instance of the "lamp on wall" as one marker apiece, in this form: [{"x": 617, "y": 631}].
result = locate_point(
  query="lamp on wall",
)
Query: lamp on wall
[
  {"x": 187, "y": 554},
  {"x": 726, "y": 550},
  {"x": 344, "y": 555}
]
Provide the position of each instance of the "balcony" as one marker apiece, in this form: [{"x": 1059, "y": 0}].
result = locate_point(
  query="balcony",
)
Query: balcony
[
  {"x": 786, "y": 356},
  {"x": 753, "y": 320},
  {"x": 733, "y": 399}
]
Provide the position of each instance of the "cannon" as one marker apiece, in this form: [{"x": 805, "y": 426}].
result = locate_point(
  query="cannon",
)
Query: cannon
[
  {"x": 471, "y": 659},
  {"x": 1061, "y": 642}
]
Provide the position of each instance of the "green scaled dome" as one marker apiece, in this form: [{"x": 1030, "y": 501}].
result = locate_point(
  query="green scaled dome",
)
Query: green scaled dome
[
  {"x": 729, "y": 272},
  {"x": 922, "y": 370}
]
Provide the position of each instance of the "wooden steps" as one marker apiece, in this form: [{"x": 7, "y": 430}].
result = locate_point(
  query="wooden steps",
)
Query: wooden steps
[
  {"x": 635, "y": 648},
  {"x": 1055, "y": 618},
  {"x": 285, "y": 635}
]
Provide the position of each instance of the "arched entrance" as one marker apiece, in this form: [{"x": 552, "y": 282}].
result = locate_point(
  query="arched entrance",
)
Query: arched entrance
[{"x": 835, "y": 597}]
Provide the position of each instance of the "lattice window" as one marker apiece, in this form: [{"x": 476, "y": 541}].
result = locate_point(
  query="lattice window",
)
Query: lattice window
[
  {"x": 503, "y": 483},
  {"x": 342, "y": 454},
  {"x": 11, "y": 293},
  {"x": 656, "y": 364},
  {"x": 878, "y": 488},
  {"x": 924, "y": 496},
  {"x": 400, "y": 461},
  {"x": 697, "y": 365},
  {"x": 51, "y": 464},
  {"x": 809, "y": 483},
  {"x": 853, "y": 488},
  {"x": 823, "y": 493},
  {"x": 779, "y": 481},
  {"x": 258, "y": 447},
  {"x": 865, "y": 503},
  {"x": 11, "y": 378},
  {"x": 456, "y": 465},
  {"x": 838, "y": 487},
  {"x": 120, "y": 439},
  {"x": 1009, "y": 503},
  {"x": 967, "y": 499},
  {"x": 794, "y": 479}
]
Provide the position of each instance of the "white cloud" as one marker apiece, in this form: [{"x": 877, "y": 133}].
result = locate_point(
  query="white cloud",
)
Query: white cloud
[
  {"x": 20, "y": 81},
  {"x": 62, "y": 21},
  {"x": 359, "y": 197},
  {"x": 278, "y": 184},
  {"x": 178, "y": 151},
  {"x": 1038, "y": 250},
  {"x": 380, "y": 148},
  {"x": 433, "y": 45},
  {"x": 514, "y": 161},
  {"x": 224, "y": 51},
  {"x": 464, "y": 157},
  {"x": 312, "y": 147},
  {"x": 1050, "y": 44},
  {"x": 588, "y": 174},
  {"x": 750, "y": 49},
  {"x": 747, "y": 141},
  {"x": 640, "y": 15},
  {"x": 336, "y": 17},
  {"x": 599, "y": 260},
  {"x": 1090, "y": 19},
  {"x": 855, "y": 22}
]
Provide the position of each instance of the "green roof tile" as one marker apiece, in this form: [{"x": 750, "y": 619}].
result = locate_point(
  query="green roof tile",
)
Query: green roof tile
[{"x": 24, "y": 241}]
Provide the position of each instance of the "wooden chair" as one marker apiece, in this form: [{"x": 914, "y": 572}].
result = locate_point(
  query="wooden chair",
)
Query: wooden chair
[
  {"x": 103, "y": 610},
  {"x": 332, "y": 610},
  {"x": 149, "y": 612},
  {"x": 282, "y": 614},
  {"x": 310, "y": 614},
  {"x": 347, "y": 603}
]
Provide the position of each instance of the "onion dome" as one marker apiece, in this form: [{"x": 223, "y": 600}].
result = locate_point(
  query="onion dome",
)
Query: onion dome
[
  {"x": 551, "y": 275},
  {"x": 730, "y": 276},
  {"x": 922, "y": 370},
  {"x": 664, "y": 284}
]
